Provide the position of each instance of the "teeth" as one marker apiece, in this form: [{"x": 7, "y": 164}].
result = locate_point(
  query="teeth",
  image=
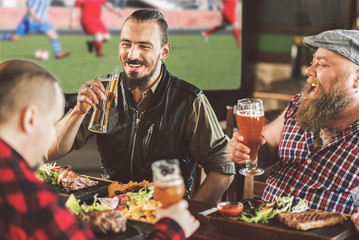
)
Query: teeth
[{"x": 134, "y": 65}]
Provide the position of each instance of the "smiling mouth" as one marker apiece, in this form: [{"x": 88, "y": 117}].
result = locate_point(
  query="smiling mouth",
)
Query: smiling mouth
[
  {"x": 134, "y": 67},
  {"x": 313, "y": 88}
]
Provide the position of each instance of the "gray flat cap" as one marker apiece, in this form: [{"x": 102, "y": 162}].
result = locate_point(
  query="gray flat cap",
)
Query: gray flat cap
[{"x": 343, "y": 42}]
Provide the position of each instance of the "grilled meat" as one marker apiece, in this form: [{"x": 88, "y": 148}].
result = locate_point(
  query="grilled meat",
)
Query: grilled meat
[
  {"x": 310, "y": 219},
  {"x": 108, "y": 221},
  {"x": 71, "y": 181},
  {"x": 123, "y": 199}
]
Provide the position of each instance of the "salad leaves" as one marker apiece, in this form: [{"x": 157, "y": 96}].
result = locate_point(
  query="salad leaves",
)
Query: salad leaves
[
  {"x": 74, "y": 206},
  {"x": 269, "y": 210},
  {"x": 143, "y": 194},
  {"x": 49, "y": 172}
]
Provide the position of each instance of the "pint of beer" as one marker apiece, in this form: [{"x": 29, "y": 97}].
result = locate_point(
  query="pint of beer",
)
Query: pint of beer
[
  {"x": 169, "y": 186},
  {"x": 250, "y": 121},
  {"x": 99, "y": 117}
]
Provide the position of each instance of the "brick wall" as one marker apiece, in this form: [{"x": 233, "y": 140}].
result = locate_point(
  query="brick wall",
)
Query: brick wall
[{"x": 60, "y": 18}]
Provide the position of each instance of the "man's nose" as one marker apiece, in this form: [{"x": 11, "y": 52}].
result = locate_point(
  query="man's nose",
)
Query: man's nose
[
  {"x": 134, "y": 53},
  {"x": 311, "y": 71}
]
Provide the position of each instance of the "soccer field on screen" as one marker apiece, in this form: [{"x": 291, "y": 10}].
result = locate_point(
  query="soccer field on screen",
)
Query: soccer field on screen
[{"x": 215, "y": 64}]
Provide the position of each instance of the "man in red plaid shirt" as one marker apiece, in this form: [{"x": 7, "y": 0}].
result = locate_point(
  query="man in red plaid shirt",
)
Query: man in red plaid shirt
[
  {"x": 314, "y": 143},
  {"x": 32, "y": 104}
]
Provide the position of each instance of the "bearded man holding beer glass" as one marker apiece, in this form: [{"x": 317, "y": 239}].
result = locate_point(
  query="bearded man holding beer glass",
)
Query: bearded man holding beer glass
[
  {"x": 157, "y": 116},
  {"x": 314, "y": 143}
]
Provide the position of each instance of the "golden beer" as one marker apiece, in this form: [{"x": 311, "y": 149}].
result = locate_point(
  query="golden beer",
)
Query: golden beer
[
  {"x": 168, "y": 193},
  {"x": 250, "y": 122},
  {"x": 99, "y": 117},
  {"x": 168, "y": 181},
  {"x": 250, "y": 127}
]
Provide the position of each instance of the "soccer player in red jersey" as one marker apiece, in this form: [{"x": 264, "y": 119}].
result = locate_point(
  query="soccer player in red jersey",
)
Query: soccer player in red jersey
[
  {"x": 92, "y": 23},
  {"x": 228, "y": 19}
]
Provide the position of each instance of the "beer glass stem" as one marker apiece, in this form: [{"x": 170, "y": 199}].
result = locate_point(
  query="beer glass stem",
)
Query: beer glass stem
[
  {"x": 250, "y": 165},
  {"x": 251, "y": 168}
]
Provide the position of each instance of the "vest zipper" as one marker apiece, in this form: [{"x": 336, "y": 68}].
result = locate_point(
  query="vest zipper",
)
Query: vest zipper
[
  {"x": 148, "y": 139},
  {"x": 137, "y": 123}
]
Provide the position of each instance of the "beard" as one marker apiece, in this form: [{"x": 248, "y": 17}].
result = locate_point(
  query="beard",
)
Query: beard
[
  {"x": 132, "y": 81},
  {"x": 314, "y": 112}
]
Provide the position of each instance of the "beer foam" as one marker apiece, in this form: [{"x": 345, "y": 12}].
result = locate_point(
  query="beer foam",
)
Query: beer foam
[
  {"x": 250, "y": 113},
  {"x": 168, "y": 182}
]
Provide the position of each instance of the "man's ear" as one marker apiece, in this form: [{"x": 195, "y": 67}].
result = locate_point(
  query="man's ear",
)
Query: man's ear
[
  {"x": 165, "y": 51},
  {"x": 29, "y": 118}
]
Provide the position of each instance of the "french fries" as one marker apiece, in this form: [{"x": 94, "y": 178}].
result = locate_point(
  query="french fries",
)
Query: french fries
[{"x": 144, "y": 211}]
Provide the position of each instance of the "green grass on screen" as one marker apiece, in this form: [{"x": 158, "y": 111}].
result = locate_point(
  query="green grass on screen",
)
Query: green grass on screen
[{"x": 212, "y": 65}]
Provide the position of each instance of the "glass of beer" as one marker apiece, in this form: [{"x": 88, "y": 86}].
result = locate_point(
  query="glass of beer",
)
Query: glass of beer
[
  {"x": 250, "y": 121},
  {"x": 99, "y": 117},
  {"x": 168, "y": 181}
]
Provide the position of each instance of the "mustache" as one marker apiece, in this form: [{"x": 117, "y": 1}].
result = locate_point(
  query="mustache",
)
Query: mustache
[{"x": 307, "y": 88}]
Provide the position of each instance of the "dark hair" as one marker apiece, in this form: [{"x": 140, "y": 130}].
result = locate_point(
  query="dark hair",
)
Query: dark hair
[{"x": 144, "y": 15}]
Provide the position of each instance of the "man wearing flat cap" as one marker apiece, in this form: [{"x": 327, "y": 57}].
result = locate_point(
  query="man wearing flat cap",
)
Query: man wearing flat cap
[{"x": 313, "y": 145}]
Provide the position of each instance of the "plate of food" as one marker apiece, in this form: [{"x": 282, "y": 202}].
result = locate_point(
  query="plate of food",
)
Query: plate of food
[
  {"x": 68, "y": 182},
  {"x": 282, "y": 219},
  {"x": 135, "y": 200},
  {"x": 105, "y": 222},
  {"x": 127, "y": 211}
]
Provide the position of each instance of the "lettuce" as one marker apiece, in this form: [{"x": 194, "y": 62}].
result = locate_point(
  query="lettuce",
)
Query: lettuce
[
  {"x": 74, "y": 206},
  {"x": 143, "y": 194},
  {"x": 269, "y": 210},
  {"x": 49, "y": 172}
]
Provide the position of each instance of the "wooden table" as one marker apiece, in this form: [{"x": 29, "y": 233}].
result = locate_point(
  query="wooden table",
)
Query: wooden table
[{"x": 208, "y": 232}]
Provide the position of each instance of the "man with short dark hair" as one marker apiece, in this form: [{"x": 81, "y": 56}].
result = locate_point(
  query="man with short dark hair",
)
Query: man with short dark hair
[
  {"x": 157, "y": 116},
  {"x": 32, "y": 103},
  {"x": 314, "y": 143}
]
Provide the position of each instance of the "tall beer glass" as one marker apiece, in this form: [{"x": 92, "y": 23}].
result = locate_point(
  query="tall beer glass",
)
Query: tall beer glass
[
  {"x": 99, "y": 117},
  {"x": 250, "y": 121},
  {"x": 168, "y": 181}
]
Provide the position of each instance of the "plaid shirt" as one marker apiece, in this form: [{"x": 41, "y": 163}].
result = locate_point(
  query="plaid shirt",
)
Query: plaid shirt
[
  {"x": 29, "y": 208},
  {"x": 324, "y": 177},
  {"x": 166, "y": 229}
]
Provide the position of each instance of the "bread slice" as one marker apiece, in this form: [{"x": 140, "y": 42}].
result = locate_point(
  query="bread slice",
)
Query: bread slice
[{"x": 310, "y": 219}]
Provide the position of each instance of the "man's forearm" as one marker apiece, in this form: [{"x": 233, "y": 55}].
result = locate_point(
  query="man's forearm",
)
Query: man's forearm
[
  {"x": 66, "y": 130},
  {"x": 213, "y": 187}
]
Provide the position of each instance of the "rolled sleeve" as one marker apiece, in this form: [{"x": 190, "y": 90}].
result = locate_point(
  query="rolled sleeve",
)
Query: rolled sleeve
[{"x": 208, "y": 143}]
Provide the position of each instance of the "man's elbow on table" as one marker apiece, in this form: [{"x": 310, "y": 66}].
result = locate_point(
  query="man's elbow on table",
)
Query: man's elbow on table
[{"x": 213, "y": 187}]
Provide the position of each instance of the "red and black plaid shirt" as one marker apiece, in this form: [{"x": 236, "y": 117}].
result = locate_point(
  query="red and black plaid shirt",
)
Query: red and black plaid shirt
[
  {"x": 166, "y": 229},
  {"x": 29, "y": 208},
  {"x": 323, "y": 177}
]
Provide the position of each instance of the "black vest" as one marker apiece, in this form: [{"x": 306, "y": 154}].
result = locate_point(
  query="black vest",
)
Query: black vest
[{"x": 135, "y": 140}]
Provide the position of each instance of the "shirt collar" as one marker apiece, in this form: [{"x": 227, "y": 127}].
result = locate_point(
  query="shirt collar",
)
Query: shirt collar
[{"x": 155, "y": 84}]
